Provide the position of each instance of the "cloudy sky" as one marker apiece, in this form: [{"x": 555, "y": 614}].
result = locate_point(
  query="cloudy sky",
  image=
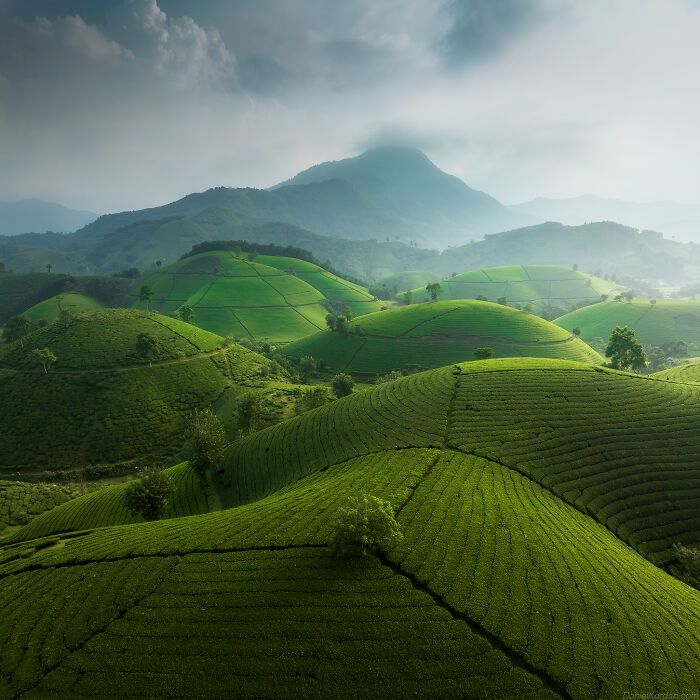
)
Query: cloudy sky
[{"x": 121, "y": 104}]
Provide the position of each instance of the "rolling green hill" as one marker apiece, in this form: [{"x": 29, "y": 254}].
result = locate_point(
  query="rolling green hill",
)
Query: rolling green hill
[
  {"x": 537, "y": 284},
  {"x": 664, "y": 322},
  {"x": 439, "y": 333},
  {"x": 50, "y": 309},
  {"x": 275, "y": 299},
  {"x": 100, "y": 402},
  {"x": 529, "y": 516},
  {"x": 688, "y": 371}
]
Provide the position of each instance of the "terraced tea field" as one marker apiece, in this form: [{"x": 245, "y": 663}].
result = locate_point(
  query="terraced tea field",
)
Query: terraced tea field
[
  {"x": 435, "y": 334},
  {"x": 666, "y": 321},
  {"x": 538, "y": 500},
  {"x": 688, "y": 371},
  {"x": 275, "y": 299},
  {"x": 50, "y": 309},
  {"x": 100, "y": 402},
  {"x": 539, "y": 285}
]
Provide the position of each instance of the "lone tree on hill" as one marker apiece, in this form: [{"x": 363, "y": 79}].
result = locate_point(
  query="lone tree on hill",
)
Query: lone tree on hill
[
  {"x": 145, "y": 295},
  {"x": 434, "y": 289},
  {"x": 208, "y": 440},
  {"x": 366, "y": 525},
  {"x": 159, "y": 263},
  {"x": 481, "y": 297},
  {"x": 308, "y": 368},
  {"x": 250, "y": 413},
  {"x": 625, "y": 351},
  {"x": 342, "y": 385},
  {"x": 407, "y": 298},
  {"x": 483, "y": 353},
  {"x": 146, "y": 347},
  {"x": 49, "y": 267},
  {"x": 17, "y": 328},
  {"x": 186, "y": 313},
  {"x": 45, "y": 358},
  {"x": 576, "y": 331},
  {"x": 149, "y": 495},
  {"x": 502, "y": 301}
]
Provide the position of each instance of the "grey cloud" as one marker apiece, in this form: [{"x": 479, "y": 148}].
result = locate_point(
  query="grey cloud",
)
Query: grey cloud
[{"x": 480, "y": 28}]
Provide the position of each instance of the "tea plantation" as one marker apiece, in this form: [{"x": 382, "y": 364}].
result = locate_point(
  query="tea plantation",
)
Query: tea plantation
[
  {"x": 536, "y": 284},
  {"x": 665, "y": 321},
  {"x": 688, "y": 371},
  {"x": 50, "y": 309},
  {"x": 275, "y": 299},
  {"x": 435, "y": 334},
  {"x": 538, "y": 501},
  {"x": 102, "y": 403}
]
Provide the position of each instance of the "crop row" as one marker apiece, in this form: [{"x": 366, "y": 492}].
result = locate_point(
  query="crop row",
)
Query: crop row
[
  {"x": 552, "y": 584},
  {"x": 265, "y": 624},
  {"x": 597, "y": 439}
]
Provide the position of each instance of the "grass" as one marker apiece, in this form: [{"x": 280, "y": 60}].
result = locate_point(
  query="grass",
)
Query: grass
[
  {"x": 435, "y": 334},
  {"x": 664, "y": 322},
  {"x": 536, "y": 284},
  {"x": 50, "y": 309},
  {"x": 100, "y": 403},
  {"x": 275, "y": 299},
  {"x": 538, "y": 500}
]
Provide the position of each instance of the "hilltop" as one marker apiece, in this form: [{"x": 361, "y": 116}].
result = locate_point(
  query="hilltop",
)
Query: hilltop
[
  {"x": 436, "y": 334},
  {"x": 665, "y": 321},
  {"x": 101, "y": 402},
  {"x": 271, "y": 298},
  {"x": 529, "y": 564},
  {"x": 37, "y": 216},
  {"x": 50, "y": 309},
  {"x": 540, "y": 285}
]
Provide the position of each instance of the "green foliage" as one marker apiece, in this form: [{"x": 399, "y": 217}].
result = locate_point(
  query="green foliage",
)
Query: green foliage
[
  {"x": 250, "y": 413},
  {"x": 145, "y": 295},
  {"x": 186, "y": 313},
  {"x": 434, "y": 289},
  {"x": 313, "y": 398},
  {"x": 366, "y": 525},
  {"x": 45, "y": 358},
  {"x": 483, "y": 353},
  {"x": 308, "y": 368},
  {"x": 149, "y": 495},
  {"x": 208, "y": 440},
  {"x": 342, "y": 384},
  {"x": 388, "y": 377},
  {"x": 146, "y": 347},
  {"x": 624, "y": 351},
  {"x": 689, "y": 560},
  {"x": 17, "y": 329}
]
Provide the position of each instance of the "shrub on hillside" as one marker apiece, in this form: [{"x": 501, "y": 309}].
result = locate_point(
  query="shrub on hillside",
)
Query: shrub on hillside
[
  {"x": 689, "y": 559},
  {"x": 149, "y": 495},
  {"x": 365, "y": 525},
  {"x": 208, "y": 440},
  {"x": 625, "y": 351},
  {"x": 483, "y": 353},
  {"x": 250, "y": 413},
  {"x": 342, "y": 384},
  {"x": 388, "y": 377}
]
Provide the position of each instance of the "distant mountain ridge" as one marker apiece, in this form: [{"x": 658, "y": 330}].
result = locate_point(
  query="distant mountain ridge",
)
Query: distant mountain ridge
[{"x": 37, "y": 216}]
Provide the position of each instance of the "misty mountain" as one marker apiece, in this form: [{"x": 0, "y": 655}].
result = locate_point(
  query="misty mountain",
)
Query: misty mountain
[
  {"x": 406, "y": 185},
  {"x": 671, "y": 218},
  {"x": 37, "y": 216}
]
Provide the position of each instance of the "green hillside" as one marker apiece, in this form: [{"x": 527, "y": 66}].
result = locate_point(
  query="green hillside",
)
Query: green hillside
[
  {"x": 50, "y": 309},
  {"x": 100, "y": 402},
  {"x": 525, "y": 511},
  {"x": 275, "y": 299},
  {"x": 688, "y": 371},
  {"x": 439, "y": 333},
  {"x": 664, "y": 322},
  {"x": 520, "y": 284}
]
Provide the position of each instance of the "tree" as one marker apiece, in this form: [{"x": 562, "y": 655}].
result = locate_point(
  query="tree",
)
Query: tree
[
  {"x": 407, "y": 298},
  {"x": 481, "y": 297},
  {"x": 330, "y": 321},
  {"x": 250, "y": 413},
  {"x": 49, "y": 267},
  {"x": 186, "y": 313},
  {"x": 574, "y": 267},
  {"x": 145, "y": 295},
  {"x": 17, "y": 328},
  {"x": 342, "y": 324},
  {"x": 388, "y": 377},
  {"x": 528, "y": 308},
  {"x": 629, "y": 295},
  {"x": 434, "y": 289},
  {"x": 159, "y": 263},
  {"x": 251, "y": 256},
  {"x": 45, "y": 358},
  {"x": 624, "y": 351},
  {"x": 146, "y": 347},
  {"x": 149, "y": 495},
  {"x": 483, "y": 353},
  {"x": 576, "y": 331},
  {"x": 208, "y": 440},
  {"x": 342, "y": 384},
  {"x": 502, "y": 301},
  {"x": 308, "y": 368},
  {"x": 652, "y": 302},
  {"x": 689, "y": 559},
  {"x": 313, "y": 398},
  {"x": 366, "y": 525},
  {"x": 604, "y": 297}
]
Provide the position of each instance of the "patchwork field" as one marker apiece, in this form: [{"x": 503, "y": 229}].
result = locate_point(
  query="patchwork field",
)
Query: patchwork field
[
  {"x": 275, "y": 299},
  {"x": 536, "y": 284},
  {"x": 102, "y": 403},
  {"x": 666, "y": 321},
  {"x": 533, "y": 524},
  {"x": 50, "y": 309},
  {"x": 438, "y": 333}
]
